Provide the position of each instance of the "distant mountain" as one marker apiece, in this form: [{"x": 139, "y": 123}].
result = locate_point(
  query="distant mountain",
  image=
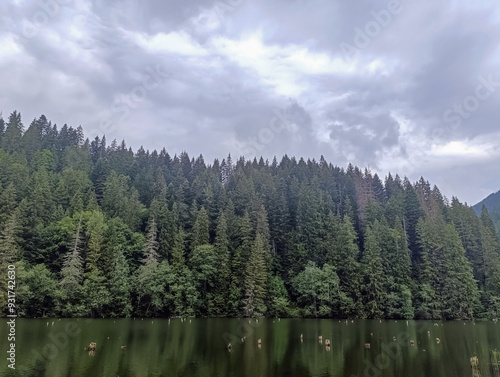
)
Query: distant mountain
[{"x": 492, "y": 203}]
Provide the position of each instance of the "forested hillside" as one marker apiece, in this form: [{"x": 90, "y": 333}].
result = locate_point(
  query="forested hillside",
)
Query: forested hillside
[
  {"x": 492, "y": 204},
  {"x": 101, "y": 230}
]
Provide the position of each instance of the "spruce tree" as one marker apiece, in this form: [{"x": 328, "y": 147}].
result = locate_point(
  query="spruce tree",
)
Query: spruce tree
[
  {"x": 148, "y": 288},
  {"x": 256, "y": 279},
  {"x": 345, "y": 258},
  {"x": 10, "y": 251},
  {"x": 151, "y": 247},
  {"x": 11, "y": 139},
  {"x": 2, "y": 128},
  {"x": 373, "y": 284},
  {"x": 120, "y": 288},
  {"x": 412, "y": 213},
  {"x": 7, "y": 203},
  {"x": 491, "y": 247},
  {"x": 185, "y": 294},
  {"x": 221, "y": 294},
  {"x": 200, "y": 234},
  {"x": 72, "y": 276}
]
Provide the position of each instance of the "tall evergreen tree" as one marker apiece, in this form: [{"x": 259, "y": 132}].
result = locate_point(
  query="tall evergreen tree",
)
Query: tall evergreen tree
[
  {"x": 185, "y": 293},
  {"x": 344, "y": 252},
  {"x": 491, "y": 247},
  {"x": 412, "y": 213},
  {"x": 120, "y": 288},
  {"x": 7, "y": 203},
  {"x": 72, "y": 276},
  {"x": 200, "y": 234},
  {"x": 373, "y": 286},
  {"x": 221, "y": 294},
  {"x": 95, "y": 290},
  {"x": 2, "y": 128},
  {"x": 151, "y": 247},
  {"x": 256, "y": 279},
  {"x": 11, "y": 139}
]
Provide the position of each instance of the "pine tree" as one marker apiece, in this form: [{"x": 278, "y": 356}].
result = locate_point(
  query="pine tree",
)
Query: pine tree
[
  {"x": 10, "y": 252},
  {"x": 224, "y": 267},
  {"x": 200, "y": 234},
  {"x": 256, "y": 279},
  {"x": 96, "y": 228},
  {"x": 238, "y": 262},
  {"x": 120, "y": 288},
  {"x": 396, "y": 269},
  {"x": 281, "y": 306},
  {"x": 412, "y": 213},
  {"x": 309, "y": 222},
  {"x": 40, "y": 198},
  {"x": 72, "y": 276},
  {"x": 9, "y": 239},
  {"x": 95, "y": 291},
  {"x": 491, "y": 247},
  {"x": 185, "y": 295},
  {"x": 32, "y": 139},
  {"x": 460, "y": 292},
  {"x": 178, "y": 259},
  {"x": 151, "y": 247},
  {"x": 11, "y": 139},
  {"x": 344, "y": 256},
  {"x": 467, "y": 225},
  {"x": 373, "y": 286},
  {"x": 96, "y": 296},
  {"x": 7, "y": 203},
  {"x": 226, "y": 169},
  {"x": 279, "y": 227},
  {"x": 166, "y": 221},
  {"x": 148, "y": 285},
  {"x": 2, "y": 128}
]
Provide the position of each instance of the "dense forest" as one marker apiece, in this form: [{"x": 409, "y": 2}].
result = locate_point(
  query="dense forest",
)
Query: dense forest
[{"x": 100, "y": 230}]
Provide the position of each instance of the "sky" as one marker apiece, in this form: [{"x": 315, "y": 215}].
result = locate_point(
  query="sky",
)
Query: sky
[{"x": 407, "y": 87}]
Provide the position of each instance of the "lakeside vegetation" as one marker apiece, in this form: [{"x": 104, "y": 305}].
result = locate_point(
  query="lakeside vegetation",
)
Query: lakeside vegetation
[{"x": 100, "y": 230}]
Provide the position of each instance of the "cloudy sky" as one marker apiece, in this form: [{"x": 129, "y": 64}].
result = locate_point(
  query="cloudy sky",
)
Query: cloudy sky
[{"x": 410, "y": 87}]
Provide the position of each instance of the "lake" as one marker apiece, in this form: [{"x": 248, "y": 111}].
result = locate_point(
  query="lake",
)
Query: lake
[{"x": 198, "y": 347}]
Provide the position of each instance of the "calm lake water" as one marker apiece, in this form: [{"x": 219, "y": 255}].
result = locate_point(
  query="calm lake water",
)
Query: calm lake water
[{"x": 199, "y": 348}]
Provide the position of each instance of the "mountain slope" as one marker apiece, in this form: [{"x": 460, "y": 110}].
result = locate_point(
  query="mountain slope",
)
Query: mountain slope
[{"x": 492, "y": 203}]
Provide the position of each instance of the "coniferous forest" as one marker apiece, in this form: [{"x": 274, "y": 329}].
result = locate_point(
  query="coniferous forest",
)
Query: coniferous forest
[{"x": 98, "y": 230}]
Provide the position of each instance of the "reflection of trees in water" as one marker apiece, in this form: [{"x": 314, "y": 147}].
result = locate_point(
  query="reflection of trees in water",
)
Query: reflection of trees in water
[{"x": 155, "y": 347}]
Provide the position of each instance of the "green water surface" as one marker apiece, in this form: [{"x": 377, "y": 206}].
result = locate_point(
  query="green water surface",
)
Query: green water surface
[{"x": 198, "y": 347}]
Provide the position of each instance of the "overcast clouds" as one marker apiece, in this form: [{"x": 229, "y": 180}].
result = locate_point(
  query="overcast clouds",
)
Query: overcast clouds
[{"x": 411, "y": 87}]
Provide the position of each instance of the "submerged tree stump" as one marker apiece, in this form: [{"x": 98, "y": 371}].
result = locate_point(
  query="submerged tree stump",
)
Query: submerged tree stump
[{"x": 474, "y": 364}]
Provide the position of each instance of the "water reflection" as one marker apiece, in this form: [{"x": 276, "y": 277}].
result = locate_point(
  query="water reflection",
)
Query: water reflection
[{"x": 288, "y": 347}]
